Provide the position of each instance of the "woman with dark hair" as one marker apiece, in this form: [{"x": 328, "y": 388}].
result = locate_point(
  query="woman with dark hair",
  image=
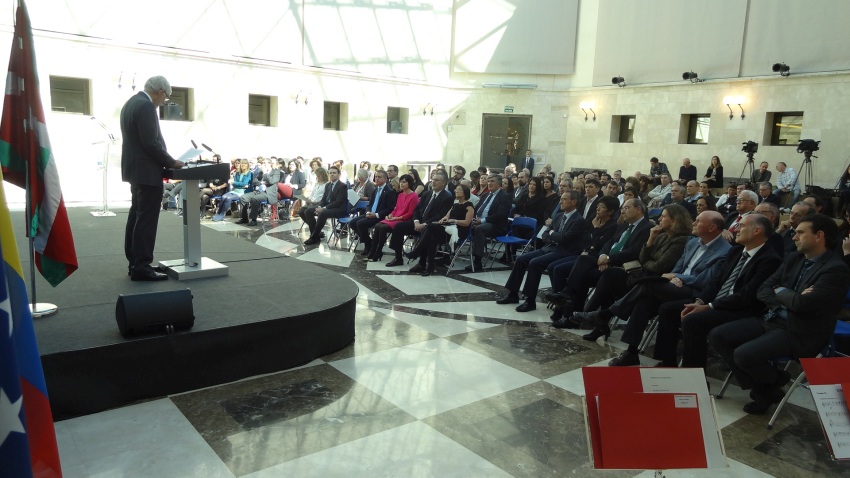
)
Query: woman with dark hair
[
  {"x": 459, "y": 216},
  {"x": 714, "y": 175},
  {"x": 646, "y": 185},
  {"x": 416, "y": 185},
  {"x": 705, "y": 189},
  {"x": 706, "y": 203},
  {"x": 658, "y": 255},
  {"x": 551, "y": 198},
  {"x": 404, "y": 207},
  {"x": 293, "y": 180}
]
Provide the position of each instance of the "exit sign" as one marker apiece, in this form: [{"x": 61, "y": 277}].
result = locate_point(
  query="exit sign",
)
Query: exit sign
[{"x": 509, "y": 109}]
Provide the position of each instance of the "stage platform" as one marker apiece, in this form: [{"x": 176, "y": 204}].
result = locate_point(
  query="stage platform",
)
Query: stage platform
[{"x": 268, "y": 314}]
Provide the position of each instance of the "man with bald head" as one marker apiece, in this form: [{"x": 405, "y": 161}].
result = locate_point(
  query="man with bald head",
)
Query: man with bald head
[
  {"x": 689, "y": 276},
  {"x": 688, "y": 172}
]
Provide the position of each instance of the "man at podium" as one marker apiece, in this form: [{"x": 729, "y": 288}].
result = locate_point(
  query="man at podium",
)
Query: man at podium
[{"x": 143, "y": 161}]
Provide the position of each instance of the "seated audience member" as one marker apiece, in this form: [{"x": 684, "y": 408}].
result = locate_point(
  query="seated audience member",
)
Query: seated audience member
[
  {"x": 458, "y": 173},
  {"x": 612, "y": 189},
  {"x": 761, "y": 174},
  {"x": 474, "y": 178},
  {"x": 788, "y": 228},
  {"x": 658, "y": 256},
  {"x": 687, "y": 172},
  {"x": 689, "y": 276},
  {"x": 472, "y": 197},
  {"x": 677, "y": 196},
  {"x": 363, "y": 186},
  {"x": 726, "y": 203},
  {"x": 294, "y": 178},
  {"x": 656, "y": 169},
  {"x": 552, "y": 195},
  {"x": 214, "y": 188},
  {"x": 508, "y": 186},
  {"x": 745, "y": 204},
  {"x": 459, "y": 217},
  {"x": 367, "y": 166},
  {"x": 693, "y": 193},
  {"x": 816, "y": 202},
  {"x": 432, "y": 206},
  {"x": 587, "y": 206},
  {"x": 239, "y": 183},
  {"x": 343, "y": 175},
  {"x": 624, "y": 246},
  {"x": 729, "y": 295},
  {"x": 628, "y": 193},
  {"x": 533, "y": 204},
  {"x": 405, "y": 204},
  {"x": 646, "y": 185},
  {"x": 332, "y": 205},
  {"x": 705, "y": 203},
  {"x": 787, "y": 183},
  {"x": 714, "y": 174},
  {"x": 491, "y": 220},
  {"x": 663, "y": 189},
  {"x": 765, "y": 194},
  {"x": 381, "y": 203},
  {"x": 567, "y": 238},
  {"x": 804, "y": 298},
  {"x": 418, "y": 186},
  {"x": 265, "y": 189},
  {"x": 705, "y": 190}
]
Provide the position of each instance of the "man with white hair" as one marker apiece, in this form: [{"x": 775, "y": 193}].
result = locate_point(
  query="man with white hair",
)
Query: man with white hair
[{"x": 144, "y": 159}]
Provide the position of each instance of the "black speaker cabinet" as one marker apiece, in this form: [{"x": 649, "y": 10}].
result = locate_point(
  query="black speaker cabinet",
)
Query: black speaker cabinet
[{"x": 154, "y": 312}]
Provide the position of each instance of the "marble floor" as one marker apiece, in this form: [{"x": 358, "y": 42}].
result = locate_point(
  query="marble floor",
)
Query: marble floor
[{"x": 440, "y": 381}]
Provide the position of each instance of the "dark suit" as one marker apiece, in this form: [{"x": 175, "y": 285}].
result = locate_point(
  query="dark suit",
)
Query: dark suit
[
  {"x": 143, "y": 162},
  {"x": 641, "y": 303},
  {"x": 585, "y": 272},
  {"x": 771, "y": 198},
  {"x": 422, "y": 214},
  {"x": 333, "y": 202},
  {"x": 591, "y": 212},
  {"x": 386, "y": 204},
  {"x": 526, "y": 163},
  {"x": 568, "y": 238},
  {"x": 496, "y": 222},
  {"x": 742, "y": 302},
  {"x": 748, "y": 344}
]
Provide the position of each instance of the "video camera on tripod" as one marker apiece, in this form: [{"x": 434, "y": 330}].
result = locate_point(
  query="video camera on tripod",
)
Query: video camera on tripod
[
  {"x": 808, "y": 146},
  {"x": 750, "y": 147}
]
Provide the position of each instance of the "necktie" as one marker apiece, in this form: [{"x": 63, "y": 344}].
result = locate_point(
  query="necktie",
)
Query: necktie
[
  {"x": 726, "y": 289},
  {"x": 482, "y": 213},
  {"x": 735, "y": 224},
  {"x": 428, "y": 207},
  {"x": 377, "y": 198},
  {"x": 807, "y": 264},
  {"x": 623, "y": 239}
]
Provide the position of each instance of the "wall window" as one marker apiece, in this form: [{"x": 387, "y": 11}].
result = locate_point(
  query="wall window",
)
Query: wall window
[
  {"x": 623, "y": 129},
  {"x": 397, "y": 120},
  {"x": 694, "y": 129},
  {"x": 786, "y": 128},
  {"x": 70, "y": 95},
  {"x": 180, "y": 106},
  {"x": 335, "y": 117},
  {"x": 262, "y": 110}
]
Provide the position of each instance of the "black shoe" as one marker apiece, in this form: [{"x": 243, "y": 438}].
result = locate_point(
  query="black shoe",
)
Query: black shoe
[
  {"x": 165, "y": 206},
  {"x": 311, "y": 241},
  {"x": 427, "y": 272},
  {"x": 149, "y": 275},
  {"x": 558, "y": 298},
  {"x": 411, "y": 255},
  {"x": 625, "y": 359},
  {"x": 376, "y": 258},
  {"x": 594, "y": 334},
  {"x": 563, "y": 323},
  {"x": 757, "y": 407},
  {"x": 417, "y": 269},
  {"x": 394, "y": 262},
  {"x": 252, "y": 223},
  {"x": 526, "y": 306},
  {"x": 475, "y": 266},
  {"x": 366, "y": 252},
  {"x": 556, "y": 314},
  {"x": 509, "y": 298},
  {"x": 241, "y": 221}
]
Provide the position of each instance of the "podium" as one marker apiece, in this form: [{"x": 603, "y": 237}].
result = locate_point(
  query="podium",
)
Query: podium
[{"x": 193, "y": 266}]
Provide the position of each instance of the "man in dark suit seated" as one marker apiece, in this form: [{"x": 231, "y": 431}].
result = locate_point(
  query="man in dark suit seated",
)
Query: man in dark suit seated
[
  {"x": 762, "y": 174},
  {"x": 623, "y": 247},
  {"x": 729, "y": 295},
  {"x": 265, "y": 189},
  {"x": 143, "y": 162},
  {"x": 567, "y": 237},
  {"x": 433, "y": 205},
  {"x": 787, "y": 228},
  {"x": 765, "y": 194},
  {"x": 331, "y": 205},
  {"x": 804, "y": 298},
  {"x": 491, "y": 220},
  {"x": 381, "y": 203}
]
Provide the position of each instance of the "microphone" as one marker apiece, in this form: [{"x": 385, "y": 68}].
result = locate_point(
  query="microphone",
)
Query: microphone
[
  {"x": 208, "y": 148},
  {"x": 194, "y": 145},
  {"x": 100, "y": 123}
]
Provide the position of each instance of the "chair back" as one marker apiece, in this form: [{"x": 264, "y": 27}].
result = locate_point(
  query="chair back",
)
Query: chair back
[{"x": 523, "y": 222}]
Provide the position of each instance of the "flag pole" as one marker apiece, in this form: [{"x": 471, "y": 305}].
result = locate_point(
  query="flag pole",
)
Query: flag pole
[{"x": 43, "y": 309}]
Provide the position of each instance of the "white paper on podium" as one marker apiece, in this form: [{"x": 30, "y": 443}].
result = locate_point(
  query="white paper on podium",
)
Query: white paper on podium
[
  {"x": 835, "y": 417},
  {"x": 190, "y": 154}
]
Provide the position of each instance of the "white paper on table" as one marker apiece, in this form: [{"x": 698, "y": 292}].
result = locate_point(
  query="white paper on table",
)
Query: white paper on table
[
  {"x": 834, "y": 416},
  {"x": 190, "y": 154}
]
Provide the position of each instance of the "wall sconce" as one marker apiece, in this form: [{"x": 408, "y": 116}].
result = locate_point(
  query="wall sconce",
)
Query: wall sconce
[
  {"x": 619, "y": 81},
  {"x": 692, "y": 77},
  {"x": 782, "y": 69},
  {"x": 302, "y": 96},
  {"x": 425, "y": 110},
  {"x": 587, "y": 105},
  {"x": 734, "y": 100},
  {"x": 133, "y": 86}
]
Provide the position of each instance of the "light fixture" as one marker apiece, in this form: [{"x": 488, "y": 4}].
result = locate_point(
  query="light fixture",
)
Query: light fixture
[
  {"x": 511, "y": 86},
  {"x": 302, "y": 96},
  {"x": 782, "y": 69},
  {"x": 587, "y": 105},
  {"x": 734, "y": 100},
  {"x": 619, "y": 81},
  {"x": 425, "y": 109},
  {"x": 692, "y": 77}
]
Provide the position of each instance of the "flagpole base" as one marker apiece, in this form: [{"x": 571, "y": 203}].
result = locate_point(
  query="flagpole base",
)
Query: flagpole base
[
  {"x": 102, "y": 213},
  {"x": 42, "y": 309}
]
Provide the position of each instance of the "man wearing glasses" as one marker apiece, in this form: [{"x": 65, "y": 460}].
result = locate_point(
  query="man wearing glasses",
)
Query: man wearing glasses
[{"x": 143, "y": 162}]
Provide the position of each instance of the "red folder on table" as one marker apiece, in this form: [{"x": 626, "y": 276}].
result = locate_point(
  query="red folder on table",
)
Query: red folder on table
[{"x": 650, "y": 431}]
